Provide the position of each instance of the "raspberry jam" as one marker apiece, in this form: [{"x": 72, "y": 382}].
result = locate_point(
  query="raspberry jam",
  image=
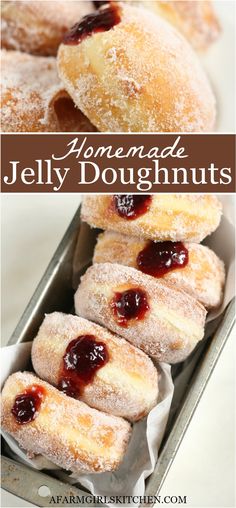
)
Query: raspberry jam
[
  {"x": 69, "y": 387},
  {"x": 159, "y": 258},
  {"x": 27, "y": 404},
  {"x": 83, "y": 357},
  {"x": 131, "y": 206},
  {"x": 99, "y": 21},
  {"x": 130, "y": 304}
]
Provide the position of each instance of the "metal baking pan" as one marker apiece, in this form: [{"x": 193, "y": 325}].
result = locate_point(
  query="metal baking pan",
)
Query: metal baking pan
[{"x": 55, "y": 292}]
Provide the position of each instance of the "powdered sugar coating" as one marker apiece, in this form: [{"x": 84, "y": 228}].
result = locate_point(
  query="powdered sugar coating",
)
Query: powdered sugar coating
[
  {"x": 33, "y": 99},
  {"x": 174, "y": 217},
  {"x": 38, "y": 27},
  {"x": 170, "y": 329},
  {"x": 196, "y": 19},
  {"x": 140, "y": 76},
  {"x": 66, "y": 431},
  {"x": 203, "y": 277},
  {"x": 126, "y": 386}
]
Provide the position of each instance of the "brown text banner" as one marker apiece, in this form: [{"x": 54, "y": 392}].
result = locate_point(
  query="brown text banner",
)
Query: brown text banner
[{"x": 93, "y": 163}]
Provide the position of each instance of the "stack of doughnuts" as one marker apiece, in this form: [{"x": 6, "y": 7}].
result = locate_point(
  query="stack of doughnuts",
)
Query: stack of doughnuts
[
  {"x": 144, "y": 300},
  {"x": 90, "y": 386},
  {"x": 152, "y": 281},
  {"x": 106, "y": 74}
]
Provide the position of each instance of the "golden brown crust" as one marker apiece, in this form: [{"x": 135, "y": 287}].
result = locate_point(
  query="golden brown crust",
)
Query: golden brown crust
[
  {"x": 66, "y": 431},
  {"x": 33, "y": 99},
  {"x": 38, "y": 27},
  {"x": 140, "y": 76},
  {"x": 174, "y": 317},
  {"x": 174, "y": 217},
  {"x": 196, "y": 19},
  {"x": 203, "y": 277},
  {"x": 126, "y": 386}
]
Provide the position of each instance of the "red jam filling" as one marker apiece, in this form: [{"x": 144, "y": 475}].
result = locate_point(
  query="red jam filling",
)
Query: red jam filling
[
  {"x": 27, "y": 404},
  {"x": 159, "y": 258},
  {"x": 99, "y": 21},
  {"x": 131, "y": 206},
  {"x": 83, "y": 357},
  {"x": 130, "y": 304}
]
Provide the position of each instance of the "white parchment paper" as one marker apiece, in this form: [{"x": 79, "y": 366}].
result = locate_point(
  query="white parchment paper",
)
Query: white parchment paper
[{"x": 142, "y": 451}]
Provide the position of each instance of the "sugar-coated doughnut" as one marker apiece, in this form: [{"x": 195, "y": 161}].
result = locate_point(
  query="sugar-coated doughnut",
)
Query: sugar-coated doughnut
[
  {"x": 196, "y": 19},
  {"x": 33, "y": 99},
  {"x": 38, "y": 27},
  {"x": 190, "y": 266},
  {"x": 157, "y": 217},
  {"x": 131, "y": 71},
  {"x": 154, "y": 315},
  {"x": 88, "y": 362},
  {"x": 74, "y": 436}
]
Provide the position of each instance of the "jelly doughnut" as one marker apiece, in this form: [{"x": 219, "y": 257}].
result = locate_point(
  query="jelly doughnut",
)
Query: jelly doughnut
[
  {"x": 37, "y": 27},
  {"x": 154, "y": 315},
  {"x": 33, "y": 98},
  {"x": 195, "y": 19},
  {"x": 74, "y": 436},
  {"x": 190, "y": 266},
  {"x": 131, "y": 71},
  {"x": 157, "y": 217},
  {"x": 87, "y": 362}
]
